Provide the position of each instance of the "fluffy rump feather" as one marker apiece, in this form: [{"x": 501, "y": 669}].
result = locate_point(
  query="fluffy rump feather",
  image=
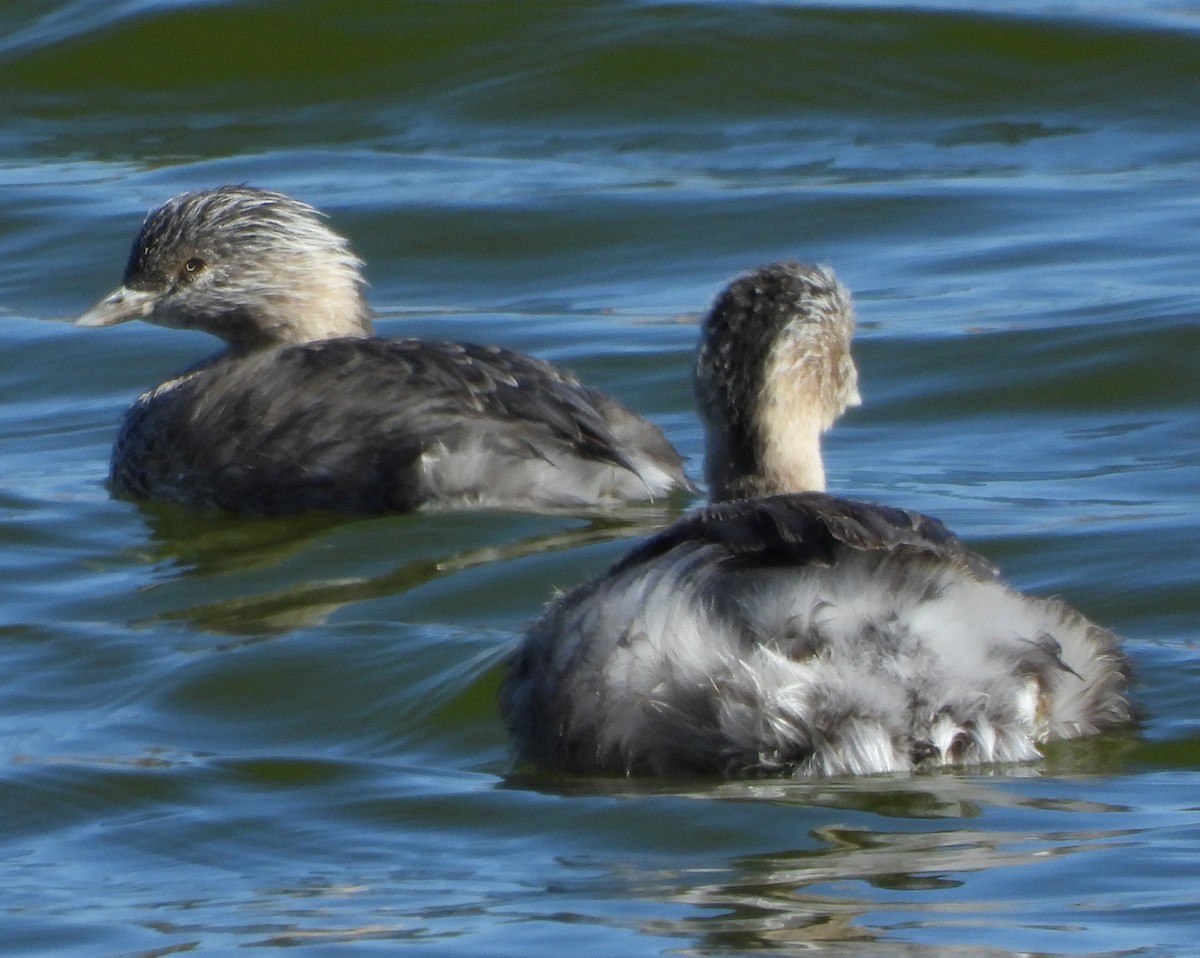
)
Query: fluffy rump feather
[{"x": 805, "y": 635}]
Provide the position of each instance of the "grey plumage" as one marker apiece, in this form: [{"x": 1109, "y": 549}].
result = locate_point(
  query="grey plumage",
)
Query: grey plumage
[
  {"x": 305, "y": 409},
  {"x": 800, "y": 633}
]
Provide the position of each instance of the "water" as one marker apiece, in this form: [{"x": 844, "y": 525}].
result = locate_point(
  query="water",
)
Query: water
[{"x": 219, "y": 735}]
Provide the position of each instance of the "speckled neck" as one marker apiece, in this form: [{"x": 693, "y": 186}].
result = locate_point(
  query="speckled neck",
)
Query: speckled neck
[{"x": 773, "y": 372}]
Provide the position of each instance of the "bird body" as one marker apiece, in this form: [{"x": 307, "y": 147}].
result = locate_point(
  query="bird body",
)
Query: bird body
[
  {"x": 384, "y": 425},
  {"x": 789, "y": 632}
]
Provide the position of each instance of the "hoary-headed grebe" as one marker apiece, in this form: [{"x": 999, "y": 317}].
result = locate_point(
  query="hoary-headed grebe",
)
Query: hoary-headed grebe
[
  {"x": 306, "y": 409},
  {"x": 781, "y": 631}
]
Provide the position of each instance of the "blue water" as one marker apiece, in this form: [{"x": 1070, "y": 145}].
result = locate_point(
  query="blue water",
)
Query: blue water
[{"x": 220, "y": 734}]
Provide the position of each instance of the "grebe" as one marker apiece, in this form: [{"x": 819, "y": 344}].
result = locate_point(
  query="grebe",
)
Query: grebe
[
  {"x": 306, "y": 409},
  {"x": 788, "y": 632}
]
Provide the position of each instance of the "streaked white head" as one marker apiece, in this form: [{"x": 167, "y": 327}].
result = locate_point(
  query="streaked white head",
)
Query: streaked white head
[{"x": 251, "y": 266}]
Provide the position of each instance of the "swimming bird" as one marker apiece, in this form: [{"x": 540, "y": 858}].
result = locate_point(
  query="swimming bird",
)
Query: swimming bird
[
  {"x": 784, "y": 631},
  {"x": 306, "y": 409}
]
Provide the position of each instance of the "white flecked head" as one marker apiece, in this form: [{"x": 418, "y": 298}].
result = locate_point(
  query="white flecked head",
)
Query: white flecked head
[{"x": 250, "y": 266}]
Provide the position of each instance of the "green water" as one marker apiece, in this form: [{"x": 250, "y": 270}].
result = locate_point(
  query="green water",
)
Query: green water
[{"x": 219, "y": 735}]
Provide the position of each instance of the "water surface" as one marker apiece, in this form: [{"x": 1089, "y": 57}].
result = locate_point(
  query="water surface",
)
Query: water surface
[{"x": 221, "y": 734}]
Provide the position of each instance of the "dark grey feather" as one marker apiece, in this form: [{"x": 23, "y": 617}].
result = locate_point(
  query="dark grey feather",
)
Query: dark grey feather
[{"x": 342, "y": 424}]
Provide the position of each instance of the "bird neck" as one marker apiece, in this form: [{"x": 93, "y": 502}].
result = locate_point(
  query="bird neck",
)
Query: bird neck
[
  {"x": 782, "y": 454},
  {"x": 764, "y": 429},
  {"x": 310, "y": 306},
  {"x": 324, "y": 304}
]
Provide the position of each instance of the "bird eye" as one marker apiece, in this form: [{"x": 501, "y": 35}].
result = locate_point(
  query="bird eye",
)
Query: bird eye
[{"x": 191, "y": 268}]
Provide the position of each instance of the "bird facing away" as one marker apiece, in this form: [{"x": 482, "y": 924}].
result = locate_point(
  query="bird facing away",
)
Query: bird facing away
[
  {"x": 788, "y": 632},
  {"x": 306, "y": 409}
]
